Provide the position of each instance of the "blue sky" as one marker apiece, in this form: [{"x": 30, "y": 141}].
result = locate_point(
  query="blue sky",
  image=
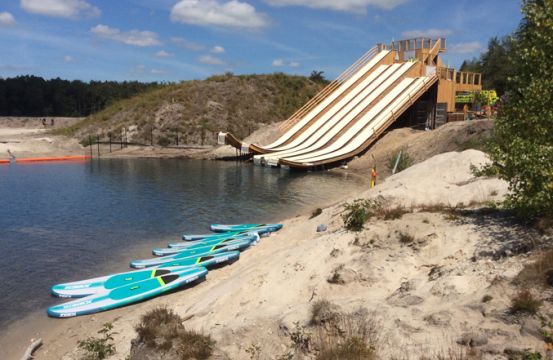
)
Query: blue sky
[{"x": 172, "y": 40}]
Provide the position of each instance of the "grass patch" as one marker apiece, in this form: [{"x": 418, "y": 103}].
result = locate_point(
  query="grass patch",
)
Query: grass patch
[
  {"x": 101, "y": 347},
  {"x": 358, "y": 212},
  {"x": 162, "y": 330},
  {"x": 316, "y": 212},
  {"x": 352, "y": 348},
  {"x": 539, "y": 272},
  {"x": 405, "y": 161},
  {"x": 525, "y": 302},
  {"x": 348, "y": 336},
  {"x": 323, "y": 312},
  {"x": 392, "y": 213},
  {"x": 361, "y": 210}
]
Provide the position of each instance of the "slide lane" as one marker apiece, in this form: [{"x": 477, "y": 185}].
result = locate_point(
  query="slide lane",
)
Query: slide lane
[
  {"x": 313, "y": 116},
  {"x": 395, "y": 104},
  {"x": 349, "y": 116},
  {"x": 329, "y": 102}
]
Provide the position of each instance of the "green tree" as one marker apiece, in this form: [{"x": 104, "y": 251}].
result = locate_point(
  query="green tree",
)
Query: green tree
[
  {"x": 494, "y": 64},
  {"x": 318, "y": 77},
  {"x": 523, "y": 145}
]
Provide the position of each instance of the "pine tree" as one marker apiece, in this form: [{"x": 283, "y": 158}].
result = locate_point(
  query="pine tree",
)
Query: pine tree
[{"x": 523, "y": 147}]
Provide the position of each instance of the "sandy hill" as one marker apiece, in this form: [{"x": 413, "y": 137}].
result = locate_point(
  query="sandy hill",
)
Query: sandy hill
[{"x": 198, "y": 109}]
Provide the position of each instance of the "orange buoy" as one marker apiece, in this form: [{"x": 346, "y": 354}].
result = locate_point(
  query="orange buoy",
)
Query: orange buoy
[
  {"x": 54, "y": 158},
  {"x": 4, "y": 162}
]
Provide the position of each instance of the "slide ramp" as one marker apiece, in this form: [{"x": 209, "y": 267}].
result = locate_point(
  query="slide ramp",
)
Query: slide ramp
[
  {"x": 344, "y": 121},
  {"x": 296, "y": 126},
  {"x": 352, "y": 112}
]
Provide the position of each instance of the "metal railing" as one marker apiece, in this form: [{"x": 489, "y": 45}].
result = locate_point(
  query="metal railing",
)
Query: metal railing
[{"x": 329, "y": 89}]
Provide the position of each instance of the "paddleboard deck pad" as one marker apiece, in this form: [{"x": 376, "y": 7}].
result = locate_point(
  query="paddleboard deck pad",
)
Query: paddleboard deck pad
[
  {"x": 127, "y": 294},
  {"x": 260, "y": 228},
  {"x": 178, "y": 247},
  {"x": 197, "y": 252},
  {"x": 82, "y": 288}
]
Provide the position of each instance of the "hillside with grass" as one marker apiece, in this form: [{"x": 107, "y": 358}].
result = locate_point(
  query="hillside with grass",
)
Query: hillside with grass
[{"x": 196, "y": 110}]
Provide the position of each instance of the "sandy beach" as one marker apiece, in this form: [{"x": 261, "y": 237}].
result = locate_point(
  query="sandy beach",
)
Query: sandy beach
[{"x": 425, "y": 294}]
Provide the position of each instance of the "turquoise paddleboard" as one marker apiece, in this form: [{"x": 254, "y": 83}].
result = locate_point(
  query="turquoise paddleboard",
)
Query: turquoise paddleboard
[
  {"x": 200, "y": 251},
  {"x": 260, "y": 228},
  {"x": 190, "y": 237},
  {"x": 127, "y": 294},
  {"x": 88, "y": 287},
  {"x": 196, "y": 244}
]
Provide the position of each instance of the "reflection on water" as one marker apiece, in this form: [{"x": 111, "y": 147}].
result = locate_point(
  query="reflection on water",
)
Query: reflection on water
[{"x": 63, "y": 222}]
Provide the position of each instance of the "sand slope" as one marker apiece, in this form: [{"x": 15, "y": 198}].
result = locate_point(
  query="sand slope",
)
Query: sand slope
[{"x": 425, "y": 294}]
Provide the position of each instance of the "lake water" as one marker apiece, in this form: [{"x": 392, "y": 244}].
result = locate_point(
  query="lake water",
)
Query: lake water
[{"x": 67, "y": 221}]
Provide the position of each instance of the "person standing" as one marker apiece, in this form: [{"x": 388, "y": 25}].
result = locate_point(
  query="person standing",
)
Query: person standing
[
  {"x": 52, "y": 122},
  {"x": 374, "y": 174},
  {"x": 11, "y": 155}
]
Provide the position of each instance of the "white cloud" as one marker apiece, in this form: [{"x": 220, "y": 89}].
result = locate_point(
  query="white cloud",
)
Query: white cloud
[
  {"x": 6, "y": 19},
  {"x": 465, "y": 48},
  {"x": 218, "y": 49},
  {"x": 185, "y": 44},
  {"x": 341, "y": 5},
  {"x": 133, "y": 37},
  {"x": 232, "y": 14},
  {"x": 211, "y": 60},
  {"x": 163, "y": 54},
  {"x": 294, "y": 64},
  {"x": 143, "y": 71},
  {"x": 278, "y": 62},
  {"x": 158, "y": 72},
  {"x": 61, "y": 8},
  {"x": 429, "y": 33},
  {"x": 68, "y": 58}
]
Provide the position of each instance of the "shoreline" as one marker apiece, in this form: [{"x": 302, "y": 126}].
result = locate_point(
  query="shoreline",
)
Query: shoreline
[{"x": 18, "y": 333}]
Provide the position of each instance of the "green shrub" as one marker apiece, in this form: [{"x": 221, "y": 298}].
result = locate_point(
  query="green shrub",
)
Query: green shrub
[
  {"x": 405, "y": 161},
  {"x": 522, "y": 149},
  {"x": 358, "y": 212},
  {"x": 99, "y": 348}
]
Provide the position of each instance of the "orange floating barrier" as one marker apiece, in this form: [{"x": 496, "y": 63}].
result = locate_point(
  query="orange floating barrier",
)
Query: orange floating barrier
[
  {"x": 54, "y": 158},
  {"x": 4, "y": 162}
]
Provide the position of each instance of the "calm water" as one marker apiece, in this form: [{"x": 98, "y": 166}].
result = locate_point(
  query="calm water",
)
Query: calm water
[{"x": 63, "y": 222}]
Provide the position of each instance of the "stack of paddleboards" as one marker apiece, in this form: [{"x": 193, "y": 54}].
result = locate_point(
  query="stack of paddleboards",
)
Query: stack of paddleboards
[{"x": 181, "y": 263}]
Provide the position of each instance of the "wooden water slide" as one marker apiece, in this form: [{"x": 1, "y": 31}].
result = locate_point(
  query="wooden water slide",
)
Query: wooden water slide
[{"x": 348, "y": 116}]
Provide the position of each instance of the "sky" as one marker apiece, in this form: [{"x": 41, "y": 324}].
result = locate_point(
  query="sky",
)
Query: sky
[{"x": 174, "y": 40}]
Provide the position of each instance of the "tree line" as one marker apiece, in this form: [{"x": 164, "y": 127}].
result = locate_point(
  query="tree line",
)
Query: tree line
[
  {"x": 34, "y": 96},
  {"x": 494, "y": 64}
]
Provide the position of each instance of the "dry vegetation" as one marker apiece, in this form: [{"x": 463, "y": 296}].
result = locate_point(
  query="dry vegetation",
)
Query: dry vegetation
[
  {"x": 538, "y": 273},
  {"x": 162, "y": 334},
  {"x": 197, "y": 110}
]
